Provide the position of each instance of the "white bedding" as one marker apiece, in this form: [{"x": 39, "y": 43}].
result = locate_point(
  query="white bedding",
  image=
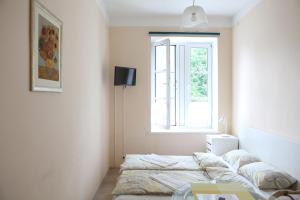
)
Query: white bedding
[
  {"x": 265, "y": 194},
  {"x": 141, "y": 182},
  {"x": 155, "y": 162},
  {"x": 138, "y": 184},
  {"x": 135, "y": 164}
]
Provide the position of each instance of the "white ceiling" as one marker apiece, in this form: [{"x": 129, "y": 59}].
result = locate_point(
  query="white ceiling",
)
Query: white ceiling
[{"x": 131, "y": 12}]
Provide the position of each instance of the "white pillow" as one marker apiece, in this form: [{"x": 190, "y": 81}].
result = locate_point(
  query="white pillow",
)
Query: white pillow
[
  {"x": 209, "y": 160},
  {"x": 265, "y": 176},
  {"x": 239, "y": 158}
]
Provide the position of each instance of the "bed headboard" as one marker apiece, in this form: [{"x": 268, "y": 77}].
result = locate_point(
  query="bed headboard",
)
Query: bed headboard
[{"x": 277, "y": 150}]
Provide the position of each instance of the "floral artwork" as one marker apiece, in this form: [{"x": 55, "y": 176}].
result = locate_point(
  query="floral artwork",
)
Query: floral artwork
[
  {"x": 46, "y": 48},
  {"x": 48, "y": 51}
]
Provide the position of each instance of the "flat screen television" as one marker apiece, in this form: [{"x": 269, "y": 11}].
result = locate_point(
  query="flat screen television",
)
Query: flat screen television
[{"x": 125, "y": 76}]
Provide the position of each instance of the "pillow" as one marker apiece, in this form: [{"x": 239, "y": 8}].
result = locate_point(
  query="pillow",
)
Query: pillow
[
  {"x": 239, "y": 158},
  {"x": 265, "y": 176},
  {"x": 209, "y": 160}
]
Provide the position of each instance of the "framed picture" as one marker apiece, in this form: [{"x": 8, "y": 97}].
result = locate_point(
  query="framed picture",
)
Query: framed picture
[{"x": 46, "y": 50}]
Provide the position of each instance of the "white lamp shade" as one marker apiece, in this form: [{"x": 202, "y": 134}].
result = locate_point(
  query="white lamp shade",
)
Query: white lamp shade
[{"x": 194, "y": 16}]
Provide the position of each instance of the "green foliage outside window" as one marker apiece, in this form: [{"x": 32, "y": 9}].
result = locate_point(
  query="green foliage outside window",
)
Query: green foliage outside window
[{"x": 199, "y": 74}]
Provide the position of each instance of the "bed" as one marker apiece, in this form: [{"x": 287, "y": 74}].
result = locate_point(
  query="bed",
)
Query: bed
[
  {"x": 137, "y": 181},
  {"x": 139, "y": 184}
]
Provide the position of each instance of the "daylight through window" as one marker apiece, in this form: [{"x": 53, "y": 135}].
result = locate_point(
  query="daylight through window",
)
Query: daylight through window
[{"x": 184, "y": 83}]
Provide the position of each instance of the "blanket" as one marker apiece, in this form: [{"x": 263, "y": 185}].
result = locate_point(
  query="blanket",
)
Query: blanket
[
  {"x": 155, "y": 162},
  {"x": 144, "y": 182},
  {"x": 158, "y": 182}
]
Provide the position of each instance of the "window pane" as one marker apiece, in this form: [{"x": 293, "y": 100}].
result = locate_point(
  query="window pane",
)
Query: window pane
[
  {"x": 199, "y": 108},
  {"x": 161, "y": 85},
  {"x": 160, "y": 104},
  {"x": 160, "y": 59},
  {"x": 159, "y": 116},
  {"x": 172, "y": 59}
]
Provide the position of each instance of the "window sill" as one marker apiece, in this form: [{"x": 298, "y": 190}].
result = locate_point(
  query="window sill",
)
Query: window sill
[{"x": 184, "y": 131}]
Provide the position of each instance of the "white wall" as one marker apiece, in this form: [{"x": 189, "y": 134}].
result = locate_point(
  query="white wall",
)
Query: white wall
[
  {"x": 266, "y": 56},
  {"x": 54, "y": 146},
  {"x": 131, "y": 46}
]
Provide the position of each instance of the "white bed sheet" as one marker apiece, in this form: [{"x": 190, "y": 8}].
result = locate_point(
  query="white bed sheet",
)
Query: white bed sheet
[{"x": 137, "y": 162}]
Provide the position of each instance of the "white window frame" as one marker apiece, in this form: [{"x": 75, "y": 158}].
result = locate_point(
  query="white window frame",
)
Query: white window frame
[
  {"x": 184, "y": 77},
  {"x": 163, "y": 42},
  {"x": 188, "y": 47}
]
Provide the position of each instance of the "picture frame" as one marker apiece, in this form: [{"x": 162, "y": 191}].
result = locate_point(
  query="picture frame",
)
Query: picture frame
[{"x": 46, "y": 50}]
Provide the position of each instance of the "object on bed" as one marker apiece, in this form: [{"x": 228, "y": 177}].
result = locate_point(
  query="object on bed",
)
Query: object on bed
[
  {"x": 216, "y": 197},
  {"x": 137, "y": 162},
  {"x": 239, "y": 158},
  {"x": 144, "y": 197},
  {"x": 285, "y": 195},
  {"x": 209, "y": 160},
  {"x": 223, "y": 188},
  {"x": 140, "y": 182},
  {"x": 265, "y": 176}
]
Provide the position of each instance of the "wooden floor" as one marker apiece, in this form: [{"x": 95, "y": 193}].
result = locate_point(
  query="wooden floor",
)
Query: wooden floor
[{"x": 107, "y": 186}]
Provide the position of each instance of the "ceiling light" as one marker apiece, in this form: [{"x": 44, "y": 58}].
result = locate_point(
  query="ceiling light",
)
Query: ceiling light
[{"x": 194, "y": 17}]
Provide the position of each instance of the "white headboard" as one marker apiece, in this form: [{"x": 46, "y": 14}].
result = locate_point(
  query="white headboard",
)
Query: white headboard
[{"x": 277, "y": 150}]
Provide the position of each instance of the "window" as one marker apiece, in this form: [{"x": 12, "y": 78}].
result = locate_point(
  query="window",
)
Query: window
[{"x": 184, "y": 83}]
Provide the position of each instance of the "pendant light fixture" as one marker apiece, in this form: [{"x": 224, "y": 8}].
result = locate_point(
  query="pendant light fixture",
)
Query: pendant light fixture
[{"x": 194, "y": 17}]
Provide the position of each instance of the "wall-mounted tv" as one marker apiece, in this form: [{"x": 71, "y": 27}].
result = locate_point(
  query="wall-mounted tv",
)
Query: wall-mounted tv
[{"x": 125, "y": 76}]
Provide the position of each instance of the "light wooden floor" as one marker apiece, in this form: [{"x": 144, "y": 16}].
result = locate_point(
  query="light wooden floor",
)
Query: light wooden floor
[{"x": 107, "y": 186}]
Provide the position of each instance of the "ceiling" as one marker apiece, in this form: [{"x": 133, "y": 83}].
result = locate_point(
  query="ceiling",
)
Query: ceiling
[{"x": 133, "y": 11}]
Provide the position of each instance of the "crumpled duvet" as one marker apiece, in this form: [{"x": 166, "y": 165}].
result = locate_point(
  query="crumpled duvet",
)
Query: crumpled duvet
[{"x": 140, "y": 182}]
